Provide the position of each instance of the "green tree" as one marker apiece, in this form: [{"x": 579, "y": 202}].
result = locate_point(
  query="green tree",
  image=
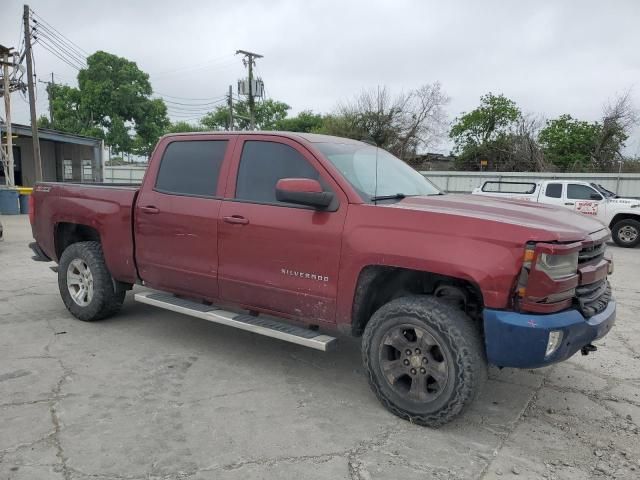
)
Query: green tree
[
  {"x": 43, "y": 122},
  {"x": 113, "y": 101},
  {"x": 485, "y": 132},
  {"x": 183, "y": 127},
  {"x": 305, "y": 121},
  {"x": 267, "y": 115},
  {"x": 568, "y": 143}
]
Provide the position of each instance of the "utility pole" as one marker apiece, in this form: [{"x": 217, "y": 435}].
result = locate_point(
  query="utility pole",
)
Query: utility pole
[
  {"x": 230, "y": 108},
  {"x": 249, "y": 62},
  {"x": 8, "y": 164},
  {"x": 32, "y": 97}
]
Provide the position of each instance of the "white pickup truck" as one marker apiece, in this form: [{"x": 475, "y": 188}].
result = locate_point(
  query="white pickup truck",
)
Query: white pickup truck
[{"x": 621, "y": 215}]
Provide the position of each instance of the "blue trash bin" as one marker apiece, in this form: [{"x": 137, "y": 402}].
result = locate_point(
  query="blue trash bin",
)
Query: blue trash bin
[
  {"x": 24, "y": 203},
  {"x": 9, "y": 202}
]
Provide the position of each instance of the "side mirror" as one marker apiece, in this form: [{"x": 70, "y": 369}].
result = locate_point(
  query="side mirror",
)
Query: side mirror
[
  {"x": 303, "y": 191},
  {"x": 595, "y": 196}
]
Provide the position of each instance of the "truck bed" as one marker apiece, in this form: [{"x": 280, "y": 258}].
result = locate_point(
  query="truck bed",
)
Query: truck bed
[{"x": 105, "y": 207}]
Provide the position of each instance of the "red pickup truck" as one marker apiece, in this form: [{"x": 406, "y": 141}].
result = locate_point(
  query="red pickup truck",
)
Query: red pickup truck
[{"x": 301, "y": 236}]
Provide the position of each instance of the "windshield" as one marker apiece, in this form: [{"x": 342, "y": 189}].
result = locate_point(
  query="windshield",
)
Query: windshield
[
  {"x": 395, "y": 178},
  {"x": 606, "y": 193}
]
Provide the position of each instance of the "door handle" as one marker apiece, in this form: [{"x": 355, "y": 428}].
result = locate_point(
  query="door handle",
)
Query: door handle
[
  {"x": 150, "y": 209},
  {"x": 569, "y": 203},
  {"x": 236, "y": 220}
]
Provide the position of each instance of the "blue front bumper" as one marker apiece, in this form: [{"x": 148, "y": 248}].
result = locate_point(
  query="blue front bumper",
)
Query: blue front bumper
[{"x": 519, "y": 340}]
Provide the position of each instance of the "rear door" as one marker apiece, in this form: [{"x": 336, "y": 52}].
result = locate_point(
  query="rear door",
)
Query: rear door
[
  {"x": 176, "y": 216},
  {"x": 584, "y": 199},
  {"x": 277, "y": 256},
  {"x": 552, "y": 193}
]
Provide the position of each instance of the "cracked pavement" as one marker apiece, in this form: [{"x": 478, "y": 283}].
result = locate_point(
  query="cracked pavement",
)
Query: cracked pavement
[{"x": 150, "y": 394}]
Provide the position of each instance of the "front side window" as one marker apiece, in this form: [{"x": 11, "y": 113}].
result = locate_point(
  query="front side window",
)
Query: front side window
[
  {"x": 581, "y": 192},
  {"x": 554, "y": 190},
  {"x": 264, "y": 163},
  {"x": 374, "y": 172},
  {"x": 191, "y": 167}
]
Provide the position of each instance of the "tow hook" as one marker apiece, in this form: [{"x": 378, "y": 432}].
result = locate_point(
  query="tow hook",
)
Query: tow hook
[{"x": 587, "y": 349}]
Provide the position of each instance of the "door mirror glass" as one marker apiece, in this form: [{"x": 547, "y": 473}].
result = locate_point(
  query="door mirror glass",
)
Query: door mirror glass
[
  {"x": 303, "y": 191},
  {"x": 596, "y": 196}
]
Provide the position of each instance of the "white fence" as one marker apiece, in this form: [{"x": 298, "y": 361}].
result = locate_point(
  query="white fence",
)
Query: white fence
[
  {"x": 625, "y": 184},
  {"x": 124, "y": 174}
]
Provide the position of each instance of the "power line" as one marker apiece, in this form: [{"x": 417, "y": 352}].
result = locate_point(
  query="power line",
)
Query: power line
[
  {"x": 195, "y": 105},
  {"x": 86, "y": 54},
  {"x": 40, "y": 32},
  {"x": 45, "y": 41},
  {"x": 43, "y": 45},
  {"x": 41, "y": 27},
  {"x": 219, "y": 62},
  {"x": 185, "y": 98}
]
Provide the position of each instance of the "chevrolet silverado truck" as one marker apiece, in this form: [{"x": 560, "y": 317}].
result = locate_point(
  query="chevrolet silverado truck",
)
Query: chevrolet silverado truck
[
  {"x": 302, "y": 237},
  {"x": 621, "y": 215}
]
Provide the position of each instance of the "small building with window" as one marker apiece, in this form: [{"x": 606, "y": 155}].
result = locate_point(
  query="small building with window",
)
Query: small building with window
[{"x": 65, "y": 157}]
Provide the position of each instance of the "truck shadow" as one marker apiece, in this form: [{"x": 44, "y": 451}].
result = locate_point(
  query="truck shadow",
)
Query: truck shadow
[{"x": 317, "y": 380}]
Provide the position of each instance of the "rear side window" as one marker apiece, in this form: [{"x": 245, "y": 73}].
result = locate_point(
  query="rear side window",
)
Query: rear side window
[
  {"x": 554, "y": 190},
  {"x": 191, "y": 167},
  {"x": 264, "y": 163},
  {"x": 580, "y": 192},
  {"x": 509, "y": 187}
]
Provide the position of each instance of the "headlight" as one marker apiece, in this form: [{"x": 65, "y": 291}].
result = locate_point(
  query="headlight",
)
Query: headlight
[{"x": 558, "y": 266}]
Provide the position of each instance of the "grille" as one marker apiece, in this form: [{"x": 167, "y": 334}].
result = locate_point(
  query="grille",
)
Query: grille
[
  {"x": 591, "y": 253},
  {"x": 593, "y": 298}
]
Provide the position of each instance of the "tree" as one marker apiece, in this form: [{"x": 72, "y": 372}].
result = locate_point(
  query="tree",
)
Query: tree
[
  {"x": 486, "y": 133},
  {"x": 267, "y": 113},
  {"x": 183, "y": 127},
  {"x": 573, "y": 144},
  {"x": 619, "y": 117},
  {"x": 305, "y": 121},
  {"x": 113, "y": 102},
  {"x": 402, "y": 124},
  {"x": 568, "y": 143}
]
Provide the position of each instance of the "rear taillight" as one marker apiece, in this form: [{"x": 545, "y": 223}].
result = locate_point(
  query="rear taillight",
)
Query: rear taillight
[{"x": 32, "y": 209}]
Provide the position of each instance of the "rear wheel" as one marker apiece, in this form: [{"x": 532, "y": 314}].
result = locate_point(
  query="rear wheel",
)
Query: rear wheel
[
  {"x": 626, "y": 233},
  {"x": 86, "y": 286},
  {"x": 424, "y": 359}
]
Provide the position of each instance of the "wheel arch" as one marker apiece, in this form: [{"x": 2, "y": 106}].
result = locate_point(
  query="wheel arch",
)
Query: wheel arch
[
  {"x": 618, "y": 217},
  {"x": 67, "y": 233},
  {"x": 379, "y": 284}
]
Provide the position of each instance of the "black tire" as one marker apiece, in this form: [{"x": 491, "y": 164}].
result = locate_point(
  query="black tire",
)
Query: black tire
[
  {"x": 106, "y": 299},
  {"x": 459, "y": 343},
  {"x": 626, "y": 233}
]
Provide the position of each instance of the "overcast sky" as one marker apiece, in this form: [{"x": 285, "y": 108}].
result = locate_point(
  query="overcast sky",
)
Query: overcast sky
[{"x": 551, "y": 57}]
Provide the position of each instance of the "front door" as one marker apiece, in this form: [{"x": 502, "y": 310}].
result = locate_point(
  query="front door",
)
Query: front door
[
  {"x": 176, "y": 217},
  {"x": 276, "y": 256},
  {"x": 584, "y": 199}
]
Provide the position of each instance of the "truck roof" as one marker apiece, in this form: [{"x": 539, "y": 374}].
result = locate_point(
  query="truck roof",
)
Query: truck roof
[{"x": 309, "y": 137}]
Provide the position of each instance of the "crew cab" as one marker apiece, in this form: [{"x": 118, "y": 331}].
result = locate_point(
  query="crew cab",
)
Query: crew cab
[
  {"x": 302, "y": 237},
  {"x": 621, "y": 215}
]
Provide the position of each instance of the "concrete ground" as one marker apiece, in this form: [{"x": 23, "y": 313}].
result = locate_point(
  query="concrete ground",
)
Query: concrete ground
[{"x": 151, "y": 394}]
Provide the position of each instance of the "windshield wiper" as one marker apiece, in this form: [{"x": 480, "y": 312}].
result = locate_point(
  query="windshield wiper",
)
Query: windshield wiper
[{"x": 395, "y": 196}]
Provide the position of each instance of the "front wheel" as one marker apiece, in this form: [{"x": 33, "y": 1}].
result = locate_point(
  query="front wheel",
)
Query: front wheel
[
  {"x": 425, "y": 359},
  {"x": 626, "y": 233},
  {"x": 86, "y": 286}
]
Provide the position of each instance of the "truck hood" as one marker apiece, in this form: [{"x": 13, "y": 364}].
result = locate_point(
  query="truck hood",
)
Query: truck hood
[
  {"x": 552, "y": 223},
  {"x": 619, "y": 203}
]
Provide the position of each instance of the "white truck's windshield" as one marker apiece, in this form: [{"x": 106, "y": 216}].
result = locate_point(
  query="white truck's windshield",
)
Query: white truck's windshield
[
  {"x": 606, "y": 193},
  {"x": 395, "y": 179}
]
